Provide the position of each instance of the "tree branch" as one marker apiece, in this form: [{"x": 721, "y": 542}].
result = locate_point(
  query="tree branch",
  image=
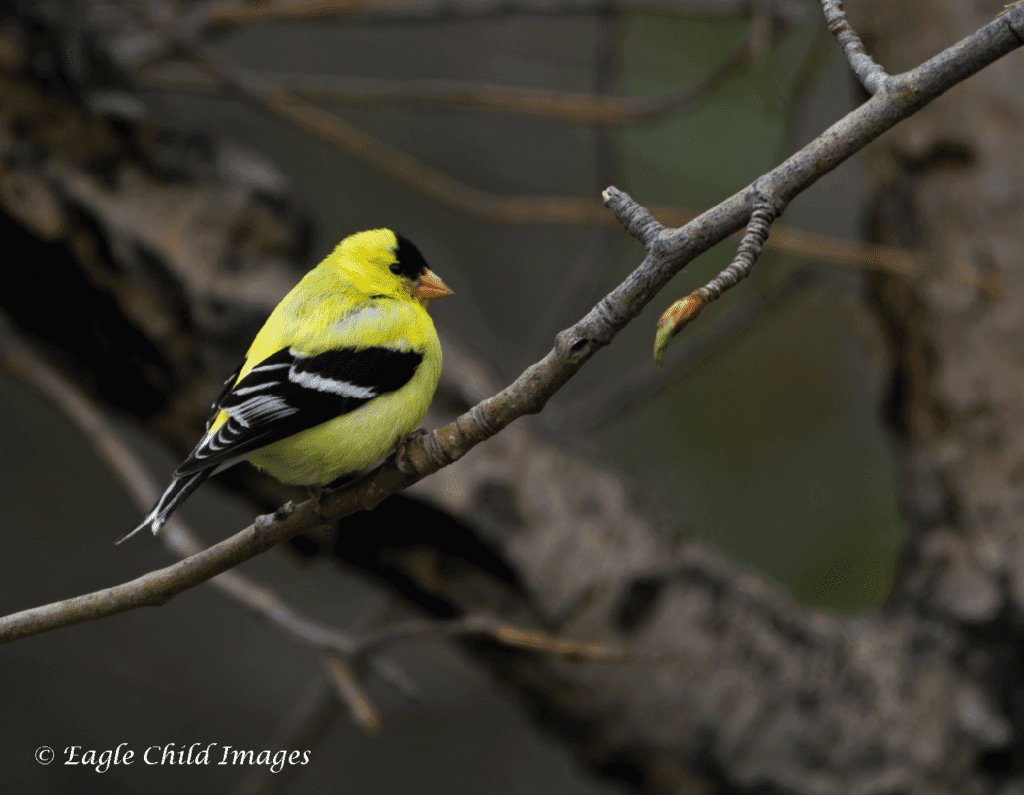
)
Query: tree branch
[{"x": 686, "y": 310}]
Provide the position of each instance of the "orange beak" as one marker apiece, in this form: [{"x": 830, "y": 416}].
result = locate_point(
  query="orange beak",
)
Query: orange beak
[{"x": 429, "y": 286}]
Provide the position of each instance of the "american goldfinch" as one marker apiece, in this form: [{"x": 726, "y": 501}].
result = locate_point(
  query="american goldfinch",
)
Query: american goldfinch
[{"x": 344, "y": 368}]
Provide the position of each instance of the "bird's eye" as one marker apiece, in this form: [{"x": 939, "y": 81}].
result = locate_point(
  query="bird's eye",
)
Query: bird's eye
[{"x": 395, "y": 268}]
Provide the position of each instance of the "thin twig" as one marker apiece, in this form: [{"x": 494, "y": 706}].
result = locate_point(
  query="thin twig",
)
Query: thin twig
[
  {"x": 872, "y": 76},
  {"x": 489, "y": 626},
  {"x": 686, "y": 310},
  {"x": 346, "y": 682}
]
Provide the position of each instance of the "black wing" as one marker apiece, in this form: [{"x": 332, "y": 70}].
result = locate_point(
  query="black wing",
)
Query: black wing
[
  {"x": 288, "y": 393},
  {"x": 215, "y": 406}
]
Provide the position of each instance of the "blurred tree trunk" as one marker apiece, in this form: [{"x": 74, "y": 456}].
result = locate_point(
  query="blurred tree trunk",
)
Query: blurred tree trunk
[{"x": 135, "y": 251}]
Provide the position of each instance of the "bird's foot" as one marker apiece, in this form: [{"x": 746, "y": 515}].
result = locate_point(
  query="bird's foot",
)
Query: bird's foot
[
  {"x": 316, "y": 494},
  {"x": 402, "y": 451}
]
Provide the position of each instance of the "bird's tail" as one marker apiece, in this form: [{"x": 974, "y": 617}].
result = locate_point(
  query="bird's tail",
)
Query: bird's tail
[{"x": 175, "y": 495}]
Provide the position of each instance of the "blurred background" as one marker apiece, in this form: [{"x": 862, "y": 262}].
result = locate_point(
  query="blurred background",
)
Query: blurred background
[{"x": 763, "y": 437}]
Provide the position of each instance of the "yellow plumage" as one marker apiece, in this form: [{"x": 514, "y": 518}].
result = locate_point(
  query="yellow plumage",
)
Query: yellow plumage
[{"x": 353, "y": 347}]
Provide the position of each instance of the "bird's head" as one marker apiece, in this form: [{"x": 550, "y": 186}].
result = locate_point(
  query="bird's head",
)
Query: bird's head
[{"x": 381, "y": 262}]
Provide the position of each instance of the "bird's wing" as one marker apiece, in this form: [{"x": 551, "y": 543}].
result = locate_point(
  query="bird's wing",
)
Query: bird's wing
[
  {"x": 289, "y": 392},
  {"x": 215, "y": 406}
]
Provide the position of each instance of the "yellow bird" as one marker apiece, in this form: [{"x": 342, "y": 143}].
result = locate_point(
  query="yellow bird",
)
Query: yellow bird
[{"x": 345, "y": 366}]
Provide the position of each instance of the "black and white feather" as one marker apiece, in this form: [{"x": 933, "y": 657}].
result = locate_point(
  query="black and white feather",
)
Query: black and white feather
[{"x": 285, "y": 394}]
